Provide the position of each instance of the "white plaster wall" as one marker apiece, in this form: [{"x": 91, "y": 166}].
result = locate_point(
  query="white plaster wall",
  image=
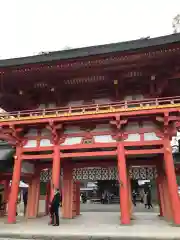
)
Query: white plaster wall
[
  {"x": 138, "y": 97},
  {"x": 133, "y": 137},
  {"x": 149, "y": 124},
  {"x": 127, "y": 98},
  {"x": 101, "y": 127},
  {"x": 45, "y": 143},
  {"x": 75, "y": 103},
  {"x": 102, "y": 101},
  {"x": 72, "y": 141},
  {"x": 27, "y": 167},
  {"x": 51, "y": 105},
  {"x": 45, "y": 132},
  {"x": 104, "y": 139},
  {"x": 73, "y": 129},
  {"x": 132, "y": 126},
  {"x": 134, "y": 97},
  {"x": 150, "y": 136},
  {"x": 30, "y": 144},
  {"x": 31, "y": 132},
  {"x": 42, "y": 106}
]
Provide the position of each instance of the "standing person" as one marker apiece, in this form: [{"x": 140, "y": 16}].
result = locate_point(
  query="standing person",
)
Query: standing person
[
  {"x": 103, "y": 198},
  {"x": 25, "y": 199},
  {"x": 145, "y": 199},
  {"x": 142, "y": 196},
  {"x": 54, "y": 209},
  {"x": 134, "y": 197},
  {"x": 149, "y": 199}
]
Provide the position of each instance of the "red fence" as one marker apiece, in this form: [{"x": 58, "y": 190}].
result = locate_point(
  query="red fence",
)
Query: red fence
[{"x": 95, "y": 108}]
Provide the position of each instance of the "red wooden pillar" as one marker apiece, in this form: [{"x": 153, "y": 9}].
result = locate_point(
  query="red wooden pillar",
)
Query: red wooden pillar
[
  {"x": 29, "y": 210},
  {"x": 167, "y": 204},
  {"x": 74, "y": 198},
  {"x": 56, "y": 170},
  {"x": 124, "y": 192},
  {"x": 171, "y": 181},
  {"x": 12, "y": 204},
  {"x": 130, "y": 194},
  {"x": 67, "y": 192},
  {"x": 37, "y": 194},
  {"x": 77, "y": 198},
  {"x": 33, "y": 197},
  {"x": 32, "y": 200}
]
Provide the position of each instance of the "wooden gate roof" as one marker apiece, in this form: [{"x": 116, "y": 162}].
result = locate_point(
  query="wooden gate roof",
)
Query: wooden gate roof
[{"x": 93, "y": 50}]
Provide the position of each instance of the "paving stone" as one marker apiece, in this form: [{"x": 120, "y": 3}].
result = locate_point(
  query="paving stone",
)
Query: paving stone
[{"x": 93, "y": 225}]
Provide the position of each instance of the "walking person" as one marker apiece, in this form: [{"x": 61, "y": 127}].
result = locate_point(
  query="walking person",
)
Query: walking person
[
  {"x": 54, "y": 208},
  {"x": 149, "y": 199}
]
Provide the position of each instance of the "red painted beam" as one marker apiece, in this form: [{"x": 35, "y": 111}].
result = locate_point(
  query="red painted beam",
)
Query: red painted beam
[
  {"x": 144, "y": 151},
  {"x": 94, "y": 163},
  {"x": 89, "y": 154},
  {"x": 88, "y": 146},
  {"x": 95, "y": 133},
  {"x": 93, "y": 154},
  {"x": 143, "y": 143},
  {"x": 94, "y": 145},
  {"x": 38, "y": 149},
  {"x": 37, "y": 156}
]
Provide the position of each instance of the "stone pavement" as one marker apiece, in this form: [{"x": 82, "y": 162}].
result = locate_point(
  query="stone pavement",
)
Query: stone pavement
[
  {"x": 92, "y": 225},
  {"x": 113, "y": 208}
]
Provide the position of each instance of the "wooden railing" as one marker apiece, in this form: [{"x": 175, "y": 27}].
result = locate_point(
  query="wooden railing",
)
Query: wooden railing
[{"x": 121, "y": 106}]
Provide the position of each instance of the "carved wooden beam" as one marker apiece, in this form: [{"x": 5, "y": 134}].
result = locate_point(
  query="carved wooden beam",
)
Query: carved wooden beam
[
  {"x": 169, "y": 124},
  {"x": 55, "y": 131},
  {"x": 117, "y": 125},
  {"x": 12, "y": 134}
]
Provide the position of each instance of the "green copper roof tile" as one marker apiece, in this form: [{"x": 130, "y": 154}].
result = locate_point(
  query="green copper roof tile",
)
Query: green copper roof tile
[{"x": 91, "y": 51}]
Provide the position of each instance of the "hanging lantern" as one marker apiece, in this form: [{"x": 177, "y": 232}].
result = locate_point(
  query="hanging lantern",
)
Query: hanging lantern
[{"x": 115, "y": 82}]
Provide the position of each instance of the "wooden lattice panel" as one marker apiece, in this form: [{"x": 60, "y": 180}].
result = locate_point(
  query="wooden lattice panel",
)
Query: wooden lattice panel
[{"x": 111, "y": 173}]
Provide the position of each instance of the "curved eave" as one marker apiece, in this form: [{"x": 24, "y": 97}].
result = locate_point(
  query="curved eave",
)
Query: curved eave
[{"x": 93, "y": 50}]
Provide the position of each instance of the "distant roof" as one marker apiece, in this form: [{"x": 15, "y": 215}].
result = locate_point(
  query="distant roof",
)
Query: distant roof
[{"x": 93, "y": 50}]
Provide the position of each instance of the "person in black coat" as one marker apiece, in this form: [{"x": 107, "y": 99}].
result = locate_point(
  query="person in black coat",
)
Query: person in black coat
[
  {"x": 55, "y": 208},
  {"x": 25, "y": 199},
  {"x": 149, "y": 199}
]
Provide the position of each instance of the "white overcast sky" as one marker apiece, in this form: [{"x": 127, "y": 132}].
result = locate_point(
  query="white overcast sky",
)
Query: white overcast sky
[{"x": 31, "y": 26}]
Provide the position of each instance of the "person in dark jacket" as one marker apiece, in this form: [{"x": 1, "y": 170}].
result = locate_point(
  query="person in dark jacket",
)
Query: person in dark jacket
[
  {"x": 134, "y": 197},
  {"x": 149, "y": 199},
  {"x": 55, "y": 204},
  {"x": 25, "y": 199}
]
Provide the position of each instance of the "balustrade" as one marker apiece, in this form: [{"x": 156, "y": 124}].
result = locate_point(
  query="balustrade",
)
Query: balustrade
[{"x": 93, "y": 109}]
